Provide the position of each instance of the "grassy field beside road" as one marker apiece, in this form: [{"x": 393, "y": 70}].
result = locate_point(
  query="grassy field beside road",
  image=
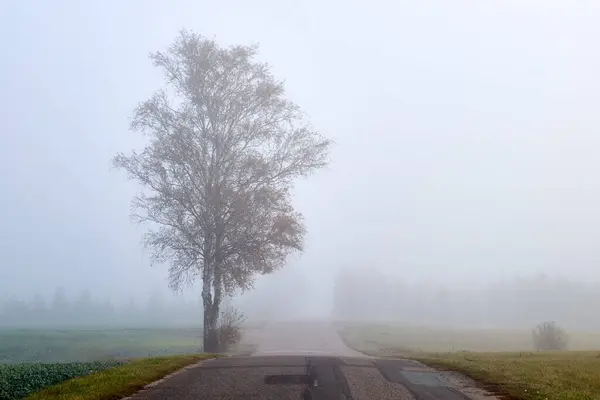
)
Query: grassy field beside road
[
  {"x": 79, "y": 344},
  {"x": 501, "y": 359},
  {"x": 117, "y": 382},
  {"x": 19, "y": 380},
  {"x": 33, "y": 359},
  {"x": 374, "y": 338},
  {"x": 569, "y": 375},
  {"x": 113, "y": 361}
]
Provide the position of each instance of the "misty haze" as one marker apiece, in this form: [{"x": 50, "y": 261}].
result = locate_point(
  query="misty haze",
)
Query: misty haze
[{"x": 269, "y": 185}]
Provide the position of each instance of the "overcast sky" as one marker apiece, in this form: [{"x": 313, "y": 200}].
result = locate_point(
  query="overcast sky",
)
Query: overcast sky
[{"x": 467, "y": 135}]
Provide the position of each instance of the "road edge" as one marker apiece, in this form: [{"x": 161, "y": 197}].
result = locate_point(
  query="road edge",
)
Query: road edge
[{"x": 167, "y": 377}]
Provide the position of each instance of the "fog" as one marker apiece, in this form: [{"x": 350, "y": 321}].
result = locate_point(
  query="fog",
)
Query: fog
[
  {"x": 511, "y": 303},
  {"x": 464, "y": 167}
]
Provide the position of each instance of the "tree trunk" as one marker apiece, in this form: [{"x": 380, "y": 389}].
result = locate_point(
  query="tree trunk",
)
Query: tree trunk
[
  {"x": 211, "y": 319},
  {"x": 211, "y": 304},
  {"x": 211, "y": 338},
  {"x": 211, "y": 280},
  {"x": 214, "y": 312}
]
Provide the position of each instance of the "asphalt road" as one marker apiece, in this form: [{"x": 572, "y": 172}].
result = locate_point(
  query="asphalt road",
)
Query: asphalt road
[
  {"x": 309, "y": 361},
  {"x": 302, "y": 337}
]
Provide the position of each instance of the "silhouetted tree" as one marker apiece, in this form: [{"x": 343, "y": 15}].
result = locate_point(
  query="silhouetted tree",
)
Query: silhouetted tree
[{"x": 225, "y": 147}]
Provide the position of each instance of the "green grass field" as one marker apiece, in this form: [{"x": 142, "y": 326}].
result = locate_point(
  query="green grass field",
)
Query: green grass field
[
  {"x": 501, "y": 359},
  {"x": 379, "y": 338},
  {"x": 106, "y": 363},
  {"x": 19, "y": 380},
  {"x": 33, "y": 359},
  {"x": 67, "y": 345}
]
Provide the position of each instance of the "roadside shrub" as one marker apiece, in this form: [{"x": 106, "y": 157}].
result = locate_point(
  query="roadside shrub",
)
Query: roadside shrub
[
  {"x": 229, "y": 329},
  {"x": 549, "y": 336}
]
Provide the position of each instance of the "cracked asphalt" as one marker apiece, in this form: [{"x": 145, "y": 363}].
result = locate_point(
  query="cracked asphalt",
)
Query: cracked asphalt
[{"x": 309, "y": 361}]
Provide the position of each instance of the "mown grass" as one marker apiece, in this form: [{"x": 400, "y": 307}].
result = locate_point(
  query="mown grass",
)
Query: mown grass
[
  {"x": 118, "y": 382},
  {"x": 528, "y": 376},
  {"x": 523, "y": 375}
]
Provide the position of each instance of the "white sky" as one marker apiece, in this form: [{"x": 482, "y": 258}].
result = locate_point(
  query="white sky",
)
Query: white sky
[{"x": 467, "y": 134}]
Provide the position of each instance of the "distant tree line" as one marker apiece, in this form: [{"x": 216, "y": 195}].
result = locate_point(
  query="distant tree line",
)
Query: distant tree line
[
  {"x": 520, "y": 302},
  {"x": 84, "y": 310}
]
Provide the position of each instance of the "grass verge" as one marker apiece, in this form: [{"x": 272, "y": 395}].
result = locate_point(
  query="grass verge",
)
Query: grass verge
[
  {"x": 522, "y": 375},
  {"x": 118, "y": 382},
  {"x": 528, "y": 376}
]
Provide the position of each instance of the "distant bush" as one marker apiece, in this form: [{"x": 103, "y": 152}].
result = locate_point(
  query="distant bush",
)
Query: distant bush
[
  {"x": 230, "y": 328},
  {"x": 549, "y": 336}
]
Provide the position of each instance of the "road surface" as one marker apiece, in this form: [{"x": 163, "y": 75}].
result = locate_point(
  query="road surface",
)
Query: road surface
[
  {"x": 294, "y": 338},
  {"x": 309, "y": 361}
]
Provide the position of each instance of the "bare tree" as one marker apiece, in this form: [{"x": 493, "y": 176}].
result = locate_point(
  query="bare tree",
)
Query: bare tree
[
  {"x": 229, "y": 327},
  {"x": 225, "y": 146}
]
